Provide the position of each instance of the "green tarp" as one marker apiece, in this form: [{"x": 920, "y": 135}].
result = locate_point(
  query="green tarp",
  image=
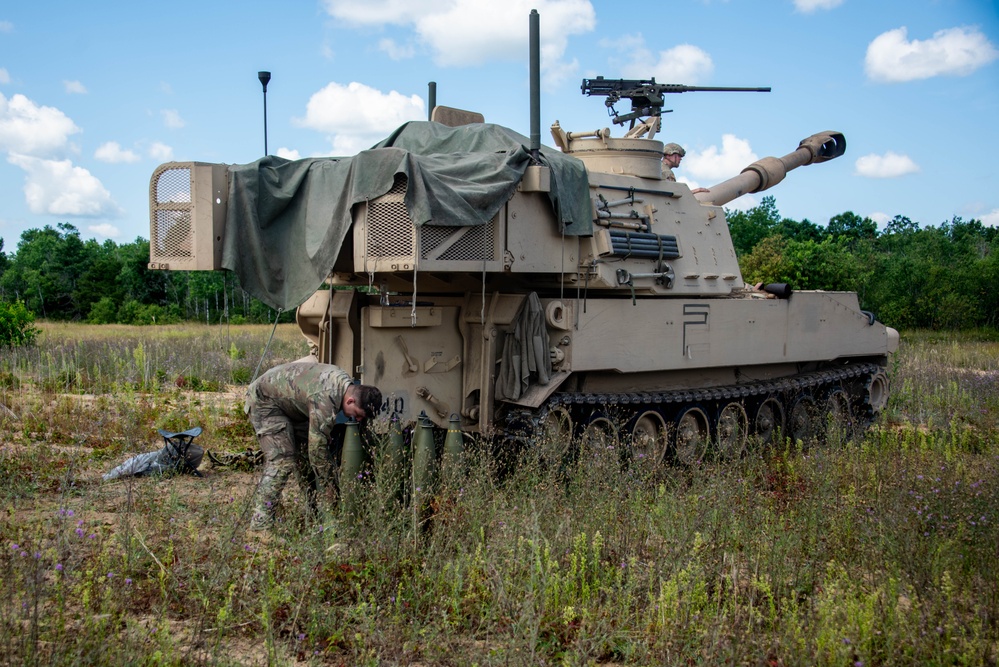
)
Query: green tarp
[{"x": 287, "y": 219}]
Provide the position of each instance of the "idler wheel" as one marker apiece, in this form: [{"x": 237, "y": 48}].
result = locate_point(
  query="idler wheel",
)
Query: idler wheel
[{"x": 692, "y": 436}]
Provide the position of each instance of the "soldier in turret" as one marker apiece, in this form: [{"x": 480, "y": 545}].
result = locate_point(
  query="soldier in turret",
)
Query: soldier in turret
[
  {"x": 293, "y": 408},
  {"x": 672, "y": 154}
]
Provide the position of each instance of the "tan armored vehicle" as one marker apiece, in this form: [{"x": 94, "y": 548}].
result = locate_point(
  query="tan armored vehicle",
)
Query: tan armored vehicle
[{"x": 479, "y": 276}]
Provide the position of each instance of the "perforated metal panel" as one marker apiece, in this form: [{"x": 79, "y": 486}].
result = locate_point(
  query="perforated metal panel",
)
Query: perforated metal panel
[
  {"x": 187, "y": 210},
  {"x": 171, "y": 236},
  {"x": 390, "y": 241},
  {"x": 456, "y": 244},
  {"x": 389, "y": 229}
]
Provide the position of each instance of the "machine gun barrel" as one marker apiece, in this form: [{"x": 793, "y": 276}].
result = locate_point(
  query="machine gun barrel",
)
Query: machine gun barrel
[
  {"x": 620, "y": 88},
  {"x": 647, "y": 97}
]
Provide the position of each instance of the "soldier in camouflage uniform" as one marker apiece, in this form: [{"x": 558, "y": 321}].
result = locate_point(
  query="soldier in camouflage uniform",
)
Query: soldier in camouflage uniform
[
  {"x": 672, "y": 154},
  {"x": 293, "y": 409}
]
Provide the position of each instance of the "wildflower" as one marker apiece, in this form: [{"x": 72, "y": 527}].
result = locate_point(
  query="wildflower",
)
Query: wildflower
[
  {"x": 79, "y": 532},
  {"x": 128, "y": 581},
  {"x": 58, "y": 567},
  {"x": 110, "y": 575},
  {"x": 301, "y": 636},
  {"x": 24, "y": 554},
  {"x": 38, "y": 554},
  {"x": 15, "y": 547}
]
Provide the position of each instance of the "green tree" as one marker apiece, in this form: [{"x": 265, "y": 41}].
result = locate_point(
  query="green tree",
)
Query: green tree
[
  {"x": 4, "y": 262},
  {"x": 16, "y": 325},
  {"x": 749, "y": 228}
]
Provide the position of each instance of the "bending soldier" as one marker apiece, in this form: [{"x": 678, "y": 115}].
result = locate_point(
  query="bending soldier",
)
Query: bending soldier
[{"x": 293, "y": 409}]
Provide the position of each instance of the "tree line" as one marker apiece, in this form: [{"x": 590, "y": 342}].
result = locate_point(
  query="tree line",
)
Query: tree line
[
  {"x": 58, "y": 276},
  {"x": 910, "y": 276}
]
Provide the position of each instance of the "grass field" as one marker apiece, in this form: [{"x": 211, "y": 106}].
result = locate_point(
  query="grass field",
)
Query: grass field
[{"x": 881, "y": 551}]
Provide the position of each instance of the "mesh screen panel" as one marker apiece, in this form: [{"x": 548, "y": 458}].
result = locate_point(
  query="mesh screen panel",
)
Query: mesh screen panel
[
  {"x": 475, "y": 243},
  {"x": 172, "y": 235},
  {"x": 390, "y": 231}
]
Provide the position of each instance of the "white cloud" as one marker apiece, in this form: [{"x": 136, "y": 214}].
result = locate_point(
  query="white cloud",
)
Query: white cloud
[
  {"x": 990, "y": 219},
  {"x": 160, "y": 152},
  {"x": 112, "y": 152},
  {"x": 396, "y": 51},
  {"x": 882, "y": 219},
  {"x": 288, "y": 154},
  {"x": 106, "y": 230},
  {"x": 463, "y": 33},
  {"x": 30, "y": 129},
  {"x": 809, "y": 6},
  {"x": 75, "y": 87},
  {"x": 684, "y": 63},
  {"x": 4, "y": 75},
  {"x": 172, "y": 119},
  {"x": 715, "y": 165},
  {"x": 56, "y": 187},
  {"x": 334, "y": 110},
  {"x": 889, "y": 165},
  {"x": 951, "y": 52}
]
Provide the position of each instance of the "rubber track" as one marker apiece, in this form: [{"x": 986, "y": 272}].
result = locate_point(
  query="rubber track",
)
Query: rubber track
[{"x": 763, "y": 388}]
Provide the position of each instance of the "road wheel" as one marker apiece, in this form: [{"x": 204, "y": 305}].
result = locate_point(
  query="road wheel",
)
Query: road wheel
[
  {"x": 691, "y": 441},
  {"x": 648, "y": 441},
  {"x": 732, "y": 431},
  {"x": 769, "y": 422},
  {"x": 801, "y": 420},
  {"x": 838, "y": 417}
]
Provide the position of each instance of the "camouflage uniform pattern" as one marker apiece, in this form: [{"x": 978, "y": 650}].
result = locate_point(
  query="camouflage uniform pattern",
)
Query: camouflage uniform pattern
[
  {"x": 671, "y": 149},
  {"x": 293, "y": 409}
]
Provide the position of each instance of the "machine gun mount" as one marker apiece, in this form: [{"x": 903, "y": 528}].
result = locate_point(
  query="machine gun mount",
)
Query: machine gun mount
[{"x": 647, "y": 97}]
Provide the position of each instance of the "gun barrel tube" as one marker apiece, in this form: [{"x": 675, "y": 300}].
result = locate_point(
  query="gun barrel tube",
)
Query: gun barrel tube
[{"x": 769, "y": 171}]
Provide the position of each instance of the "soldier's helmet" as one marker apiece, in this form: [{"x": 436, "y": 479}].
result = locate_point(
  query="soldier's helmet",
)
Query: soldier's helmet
[{"x": 671, "y": 148}]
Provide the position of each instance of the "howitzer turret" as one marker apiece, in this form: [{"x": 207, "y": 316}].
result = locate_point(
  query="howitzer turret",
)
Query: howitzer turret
[{"x": 570, "y": 292}]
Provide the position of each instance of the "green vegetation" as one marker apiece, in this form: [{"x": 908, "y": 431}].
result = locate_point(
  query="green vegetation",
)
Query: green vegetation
[
  {"x": 59, "y": 276},
  {"x": 880, "y": 551},
  {"x": 16, "y": 325},
  {"x": 910, "y": 276}
]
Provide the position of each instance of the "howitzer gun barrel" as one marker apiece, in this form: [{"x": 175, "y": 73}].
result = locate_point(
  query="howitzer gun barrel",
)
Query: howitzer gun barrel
[{"x": 769, "y": 171}]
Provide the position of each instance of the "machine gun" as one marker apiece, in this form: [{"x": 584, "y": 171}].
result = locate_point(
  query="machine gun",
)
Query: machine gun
[{"x": 647, "y": 97}]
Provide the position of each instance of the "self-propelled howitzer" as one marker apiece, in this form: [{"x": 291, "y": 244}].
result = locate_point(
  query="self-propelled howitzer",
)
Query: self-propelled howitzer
[{"x": 575, "y": 293}]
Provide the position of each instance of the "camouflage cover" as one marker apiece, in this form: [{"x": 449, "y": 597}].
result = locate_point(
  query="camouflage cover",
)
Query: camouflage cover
[{"x": 287, "y": 220}]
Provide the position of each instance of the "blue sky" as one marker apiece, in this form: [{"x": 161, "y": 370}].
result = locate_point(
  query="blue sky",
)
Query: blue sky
[{"x": 94, "y": 95}]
